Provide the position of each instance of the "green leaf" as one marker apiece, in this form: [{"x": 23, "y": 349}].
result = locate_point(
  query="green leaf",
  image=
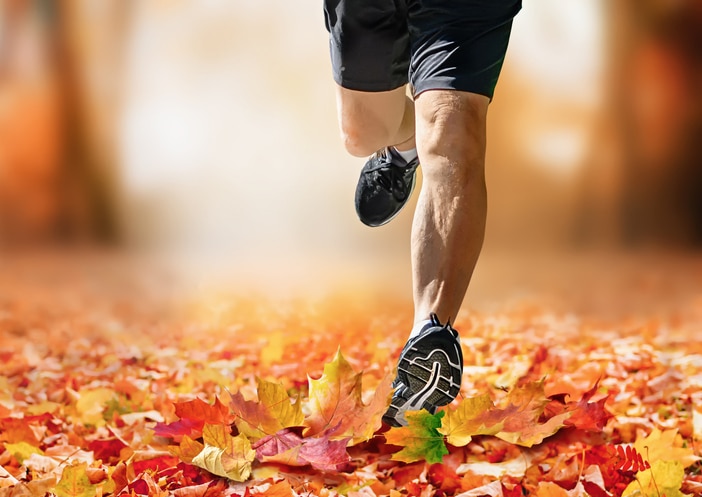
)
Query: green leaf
[
  {"x": 224, "y": 455},
  {"x": 420, "y": 439}
]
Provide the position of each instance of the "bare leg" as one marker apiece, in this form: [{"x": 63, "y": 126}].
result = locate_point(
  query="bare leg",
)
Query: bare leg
[
  {"x": 370, "y": 121},
  {"x": 449, "y": 222}
]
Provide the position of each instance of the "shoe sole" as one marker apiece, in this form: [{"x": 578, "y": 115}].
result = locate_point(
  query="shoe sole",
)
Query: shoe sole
[
  {"x": 377, "y": 225},
  {"x": 432, "y": 370}
]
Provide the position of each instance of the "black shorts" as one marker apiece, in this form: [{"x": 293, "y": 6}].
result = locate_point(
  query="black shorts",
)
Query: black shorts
[{"x": 380, "y": 45}]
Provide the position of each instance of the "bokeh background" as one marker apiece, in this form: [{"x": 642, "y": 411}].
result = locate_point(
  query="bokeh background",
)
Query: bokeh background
[{"x": 204, "y": 133}]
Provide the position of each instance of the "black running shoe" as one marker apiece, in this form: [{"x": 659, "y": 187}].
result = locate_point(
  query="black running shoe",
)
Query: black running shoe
[
  {"x": 385, "y": 185},
  {"x": 429, "y": 372}
]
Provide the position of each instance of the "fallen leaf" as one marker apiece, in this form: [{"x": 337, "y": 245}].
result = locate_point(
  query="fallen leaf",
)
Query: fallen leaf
[
  {"x": 335, "y": 401},
  {"x": 74, "y": 482},
  {"x": 273, "y": 411},
  {"x": 187, "y": 449},
  {"x": 665, "y": 446},
  {"x": 473, "y": 416},
  {"x": 289, "y": 447},
  {"x": 92, "y": 403},
  {"x": 493, "y": 489},
  {"x": 420, "y": 439},
  {"x": 224, "y": 455},
  {"x": 662, "y": 478},
  {"x": 22, "y": 450}
]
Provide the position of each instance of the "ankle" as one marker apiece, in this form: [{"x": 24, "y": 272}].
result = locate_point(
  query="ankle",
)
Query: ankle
[{"x": 407, "y": 155}]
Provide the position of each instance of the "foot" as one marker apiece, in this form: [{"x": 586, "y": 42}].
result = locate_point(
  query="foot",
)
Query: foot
[
  {"x": 385, "y": 185},
  {"x": 429, "y": 372}
]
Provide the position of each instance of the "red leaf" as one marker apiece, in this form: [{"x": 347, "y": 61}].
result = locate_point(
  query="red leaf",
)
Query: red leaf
[
  {"x": 289, "y": 447},
  {"x": 193, "y": 415},
  {"x": 198, "y": 409},
  {"x": 107, "y": 449},
  {"x": 177, "y": 429},
  {"x": 155, "y": 464},
  {"x": 585, "y": 415}
]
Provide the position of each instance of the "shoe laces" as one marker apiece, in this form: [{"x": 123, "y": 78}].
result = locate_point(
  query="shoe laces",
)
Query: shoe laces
[{"x": 390, "y": 176}]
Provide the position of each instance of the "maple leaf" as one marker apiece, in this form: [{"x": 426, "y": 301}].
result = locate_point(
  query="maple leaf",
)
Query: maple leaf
[
  {"x": 273, "y": 411},
  {"x": 585, "y": 415},
  {"x": 529, "y": 401},
  {"x": 187, "y": 449},
  {"x": 473, "y": 416},
  {"x": 224, "y": 455},
  {"x": 289, "y": 447},
  {"x": 420, "y": 439},
  {"x": 536, "y": 432},
  {"x": 662, "y": 478},
  {"x": 665, "y": 445},
  {"x": 74, "y": 482},
  {"x": 525, "y": 404},
  {"x": 335, "y": 401},
  {"x": 194, "y": 414}
]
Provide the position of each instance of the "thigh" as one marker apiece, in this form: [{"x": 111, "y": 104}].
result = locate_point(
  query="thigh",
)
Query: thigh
[
  {"x": 370, "y": 117},
  {"x": 459, "y": 44},
  {"x": 368, "y": 43}
]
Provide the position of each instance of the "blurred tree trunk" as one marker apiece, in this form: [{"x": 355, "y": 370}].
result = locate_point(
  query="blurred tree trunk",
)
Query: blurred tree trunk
[
  {"x": 89, "y": 40},
  {"x": 60, "y": 83},
  {"x": 644, "y": 185}
]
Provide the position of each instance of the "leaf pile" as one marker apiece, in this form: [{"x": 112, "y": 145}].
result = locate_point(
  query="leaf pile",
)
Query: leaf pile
[{"x": 100, "y": 395}]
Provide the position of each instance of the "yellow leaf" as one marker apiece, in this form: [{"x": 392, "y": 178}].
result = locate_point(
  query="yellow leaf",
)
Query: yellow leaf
[
  {"x": 469, "y": 419},
  {"x": 22, "y": 450},
  {"x": 662, "y": 478},
  {"x": 696, "y": 425},
  {"x": 92, "y": 403},
  {"x": 276, "y": 399},
  {"x": 335, "y": 402},
  {"x": 75, "y": 482},
  {"x": 667, "y": 446},
  {"x": 273, "y": 411},
  {"x": 224, "y": 455},
  {"x": 273, "y": 350},
  {"x": 187, "y": 450}
]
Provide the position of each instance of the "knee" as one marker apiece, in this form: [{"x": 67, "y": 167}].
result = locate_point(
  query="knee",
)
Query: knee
[
  {"x": 451, "y": 135},
  {"x": 357, "y": 138}
]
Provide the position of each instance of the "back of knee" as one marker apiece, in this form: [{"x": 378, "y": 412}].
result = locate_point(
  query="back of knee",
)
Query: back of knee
[{"x": 357, "y": 140}]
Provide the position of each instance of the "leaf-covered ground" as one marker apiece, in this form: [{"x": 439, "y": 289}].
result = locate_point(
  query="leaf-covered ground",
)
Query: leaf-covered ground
[{"x": 104, "y": 391}]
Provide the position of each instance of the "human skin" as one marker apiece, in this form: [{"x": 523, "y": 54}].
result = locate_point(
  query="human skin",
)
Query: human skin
[{"x": 448, "y": 129}]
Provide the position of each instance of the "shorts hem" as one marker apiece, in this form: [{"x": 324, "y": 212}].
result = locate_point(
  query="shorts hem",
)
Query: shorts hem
[
  {"x": 367, "y": 86},
  {"x": 440, "y": 84}
]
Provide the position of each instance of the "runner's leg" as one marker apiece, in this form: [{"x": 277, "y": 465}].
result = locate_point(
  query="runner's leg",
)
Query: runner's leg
[
  {"x": 370, "y": 121},
  {"x": 449, "y": 222}
]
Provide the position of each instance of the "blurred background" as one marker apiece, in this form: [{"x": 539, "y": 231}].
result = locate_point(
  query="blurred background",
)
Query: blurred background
[{"x": 205, "y": 132}]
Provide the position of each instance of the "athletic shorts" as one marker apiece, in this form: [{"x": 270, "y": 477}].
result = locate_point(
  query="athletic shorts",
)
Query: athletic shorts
[{"x": 380, "y": 45}]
